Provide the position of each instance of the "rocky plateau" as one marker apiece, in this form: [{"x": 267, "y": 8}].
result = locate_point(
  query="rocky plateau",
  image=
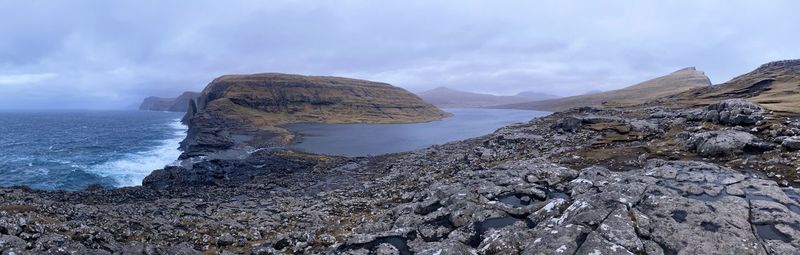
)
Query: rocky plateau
[{"x": 667, "y": 177}]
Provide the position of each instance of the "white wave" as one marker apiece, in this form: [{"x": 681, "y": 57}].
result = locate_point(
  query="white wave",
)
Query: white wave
[{"x": 131, "y": 170}]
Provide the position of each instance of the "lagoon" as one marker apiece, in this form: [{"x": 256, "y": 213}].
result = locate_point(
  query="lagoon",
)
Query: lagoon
[{"x": 374, "y": 139}]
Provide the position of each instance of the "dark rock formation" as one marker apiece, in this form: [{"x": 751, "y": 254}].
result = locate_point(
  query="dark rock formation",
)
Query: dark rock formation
[{"x": 178, "y": 104}]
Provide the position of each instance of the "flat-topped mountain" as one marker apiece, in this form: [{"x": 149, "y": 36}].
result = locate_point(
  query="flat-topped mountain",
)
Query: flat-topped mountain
[
  {"x": 447, "y": 97},
  {"x": 178, "y": 104},
  {"x": 775, "y": 86},
  {"x": 252, "y": 108},
  {"x": 673, "y": 83}
]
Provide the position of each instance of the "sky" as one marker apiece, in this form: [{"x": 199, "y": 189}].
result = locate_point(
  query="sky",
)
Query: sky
[{"x": 111, "y": 54}]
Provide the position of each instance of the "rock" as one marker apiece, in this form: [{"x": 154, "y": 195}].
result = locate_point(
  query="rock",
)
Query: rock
[
  {"x": 720, "y": 143},
  {"x": 791, "y": 143},
  {"x": 9, "y": 242},
  {"x": 734, "y": 112},
  {"x": 568, "y": 124},
  {"x": 386, "y": 249},
  {"x": 181, "y": 249},
  {"x": 619, "y": 230},
  {"x": 449, "y": 248},
  {"x": 226, "y": 239}
]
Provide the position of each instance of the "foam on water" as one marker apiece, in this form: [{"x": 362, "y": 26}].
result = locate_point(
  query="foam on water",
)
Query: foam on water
[{"x": 134, "y": 167}]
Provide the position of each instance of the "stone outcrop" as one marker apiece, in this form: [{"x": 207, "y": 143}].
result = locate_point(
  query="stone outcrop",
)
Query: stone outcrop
[
  {"x": 734, "y": 112},
  {"x": 719, "y": 143},
  {"x": 178, "y": 104}
]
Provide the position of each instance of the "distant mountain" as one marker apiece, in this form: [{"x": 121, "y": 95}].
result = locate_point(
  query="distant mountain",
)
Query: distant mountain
[
  {"x": 178, "y": 104},
  {"x": 774, "y": 85},
  {"x": 592, "y": 92},
  {"x": 671, "y": 84},
  {"x": 447, "y": 97},
  {"x": 533, "y": 95}
]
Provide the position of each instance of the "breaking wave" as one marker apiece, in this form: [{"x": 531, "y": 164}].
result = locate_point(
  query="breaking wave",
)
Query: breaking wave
[{"x": 134, "y": 167}]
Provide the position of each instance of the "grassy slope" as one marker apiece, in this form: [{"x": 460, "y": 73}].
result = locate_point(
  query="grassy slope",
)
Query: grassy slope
[
  {"x": 676, "y": 82},
  {"x": 776, "y": 86}
]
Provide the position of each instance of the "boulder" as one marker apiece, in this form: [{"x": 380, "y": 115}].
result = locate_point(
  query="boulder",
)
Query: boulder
[
  {"x": 734, "y": 112},
  {"x": 569, "y": 124},
  {"x": 720, "y": 143},
  {"x": 791, "y": 143}
]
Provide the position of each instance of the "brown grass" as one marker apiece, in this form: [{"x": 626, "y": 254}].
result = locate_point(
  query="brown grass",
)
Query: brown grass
[{"x": 18, "y": 208}]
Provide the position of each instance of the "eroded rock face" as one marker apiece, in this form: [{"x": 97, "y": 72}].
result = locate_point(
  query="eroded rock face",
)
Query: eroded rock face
[{"x": 668, "y": 207}]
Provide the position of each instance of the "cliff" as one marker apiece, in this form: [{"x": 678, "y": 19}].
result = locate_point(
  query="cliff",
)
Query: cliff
[
  {"x": 178, "y": 104},
  {"x": 673, "y": 83},
  {"x": 775, "y": 86},
  {"x": 246, "y": 111}
]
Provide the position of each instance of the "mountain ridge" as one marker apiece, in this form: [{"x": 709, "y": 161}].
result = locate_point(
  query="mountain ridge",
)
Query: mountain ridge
[
  {"x": 675, "y": 82},
  {"x": 448, "y": 97},
  {"x": 774, "y": 85}
]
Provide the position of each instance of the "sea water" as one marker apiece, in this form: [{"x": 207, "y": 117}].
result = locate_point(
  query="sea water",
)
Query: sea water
[{"x": 71, "y": 150}]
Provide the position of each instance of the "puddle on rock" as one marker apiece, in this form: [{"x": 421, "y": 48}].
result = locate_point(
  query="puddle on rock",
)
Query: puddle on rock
[
  {"x": 557, "y": 194},
  {"x": 794, "y": 208},
  {"x": 750, "y": 197},
  {"x": 769, "y": 232},
  {"x": 516, "y": 200},
  {"x": 398, "y": 242},
  {"x": 679, "y": 216},
  {"x": 792, "y": 193}
]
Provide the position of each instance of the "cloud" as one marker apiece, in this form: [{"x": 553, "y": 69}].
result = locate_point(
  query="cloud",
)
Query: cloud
[
  {"x": 110, "y": 54},
  {"x": 23, "y": 79}
]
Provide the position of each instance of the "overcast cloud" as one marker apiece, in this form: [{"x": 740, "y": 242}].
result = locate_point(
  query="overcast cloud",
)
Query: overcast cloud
[{"x": 111, "y": 54}]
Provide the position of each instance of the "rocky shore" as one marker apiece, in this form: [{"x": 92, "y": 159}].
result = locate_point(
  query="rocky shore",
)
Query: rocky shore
[
  {"x": 614, "y": 181},
  {"x": 659, "y": 178}
]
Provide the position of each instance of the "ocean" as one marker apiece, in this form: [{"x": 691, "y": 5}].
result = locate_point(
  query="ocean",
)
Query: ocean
[{"x": 70, "y": 150}]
